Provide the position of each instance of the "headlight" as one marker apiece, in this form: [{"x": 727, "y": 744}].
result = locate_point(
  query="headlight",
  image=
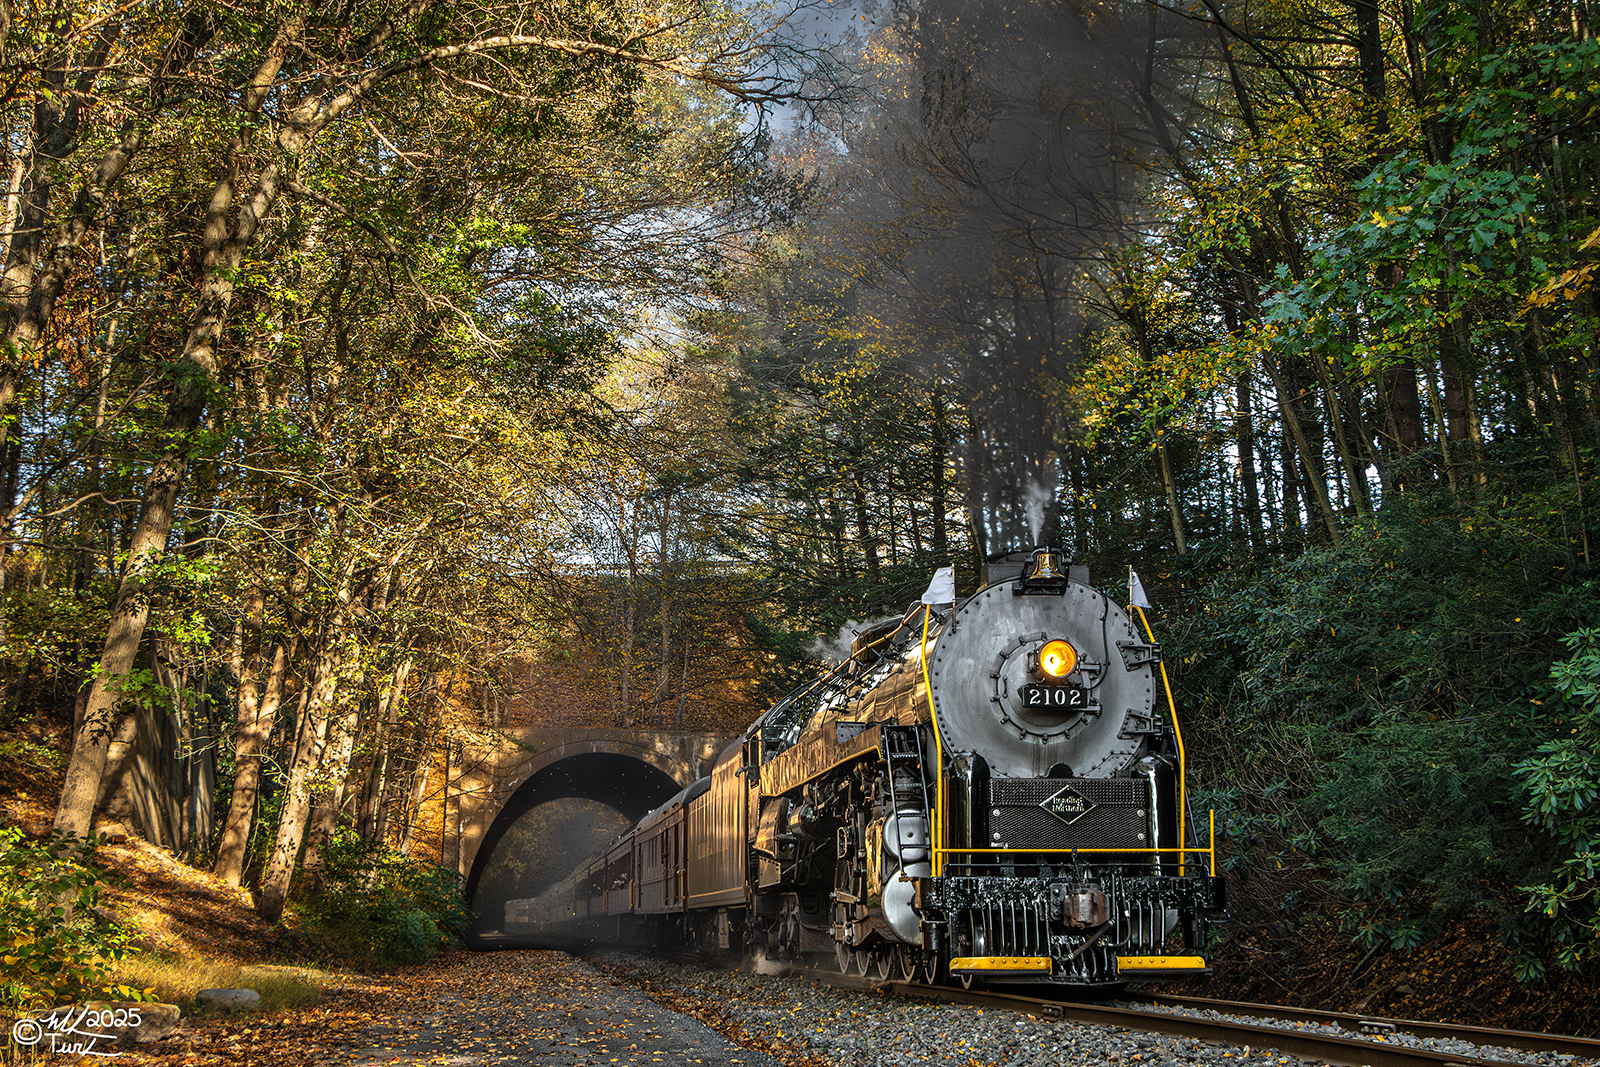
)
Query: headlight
[{"x": 1056, "y": 659}]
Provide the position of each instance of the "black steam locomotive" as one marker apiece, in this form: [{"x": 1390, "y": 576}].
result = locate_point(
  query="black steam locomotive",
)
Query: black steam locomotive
[{"x": 987, "y": 789}]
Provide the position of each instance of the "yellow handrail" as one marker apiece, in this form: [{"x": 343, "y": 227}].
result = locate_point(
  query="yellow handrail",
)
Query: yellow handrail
[
  {"x": 1172, "y": 709},
  {"x": 1024, "y": 849},
  {"x": 938, "y": 752}
]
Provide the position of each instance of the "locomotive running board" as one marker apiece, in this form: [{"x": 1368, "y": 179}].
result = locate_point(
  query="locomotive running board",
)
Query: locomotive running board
[
  {"x": 1000, "y": 965},
  {"x": 1162, "y": 966}
]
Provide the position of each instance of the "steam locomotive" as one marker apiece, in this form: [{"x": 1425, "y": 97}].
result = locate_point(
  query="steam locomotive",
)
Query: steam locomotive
[{"x": 986, "y": 790}]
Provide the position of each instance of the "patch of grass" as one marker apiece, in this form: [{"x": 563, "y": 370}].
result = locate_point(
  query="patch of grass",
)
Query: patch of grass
[
  {"x": 30, "y": 756},
  {"x": 177, "y": 981}
]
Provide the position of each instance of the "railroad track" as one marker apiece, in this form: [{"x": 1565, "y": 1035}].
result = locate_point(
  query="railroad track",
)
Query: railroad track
[
  {"x": 1363, "y": 1044},
  {"x": 1585, "y": 1047},
  {"x": 1371, "y": 1050}
]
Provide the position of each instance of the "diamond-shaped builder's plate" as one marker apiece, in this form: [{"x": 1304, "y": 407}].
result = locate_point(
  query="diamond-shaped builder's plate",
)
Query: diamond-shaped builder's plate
[{"x": 1067, "y": 804}]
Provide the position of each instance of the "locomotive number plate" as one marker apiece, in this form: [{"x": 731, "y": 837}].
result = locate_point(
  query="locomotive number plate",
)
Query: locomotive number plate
[{"x": 1055, "y": 697}]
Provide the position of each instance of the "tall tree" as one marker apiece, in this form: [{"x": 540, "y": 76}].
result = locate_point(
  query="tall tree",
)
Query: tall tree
[{"x": 314, "y": 86}]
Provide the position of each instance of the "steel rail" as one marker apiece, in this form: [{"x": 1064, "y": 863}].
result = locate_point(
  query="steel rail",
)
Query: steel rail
[
  {"x": 1345, "y": 1051},
  {"x": 1527, "y": 1040}
]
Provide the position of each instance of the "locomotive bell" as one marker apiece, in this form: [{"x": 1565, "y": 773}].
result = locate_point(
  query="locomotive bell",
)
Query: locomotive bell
[{"x": 1043, "y": 575}]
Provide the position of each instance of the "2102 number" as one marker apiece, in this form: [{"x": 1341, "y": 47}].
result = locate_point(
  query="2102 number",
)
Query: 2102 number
[{"x": 1055, "y": 697}]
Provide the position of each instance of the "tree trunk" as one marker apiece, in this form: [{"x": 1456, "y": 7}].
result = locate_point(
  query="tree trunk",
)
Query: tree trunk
[
  {"x": 624, "y": 690},
  {"x": 420, "y": 767},
  {"x": 89, "y": 519},
  {"x": 335, "y": 770},
  {"x": 1179, "y": 541},
  {"x": 683, "y": 684},
  {"x": 1403, "y": 405},
  {"x": 374, "y": 819},
  {"x": 195, "y": 374},
  {"x": 941, "y": 443},
  {"x": 1446, "y": 452},
  {"x": 1308, "y": 465},
  {"x": 1455, "y": 395},
  {"x": 448, "y": 857},
  {"x": 33, "y": 279},
  {"x": 257, "y": 716},
  {"x": 1354, "y": 469},
  {"x": 375, "y": 790},
  {"x": 313, "y": 735},
  {"x": 123, "y": 635},
  {"x": 869, "y": 544},
  {"x": 1289, "y": 468},
  {"x": 1244, "y": 436},
  {"x": 664, "y": 668},
  {"x": 296, "y": 807},
  {"x": 7, "y": 223},
  {"x": 835, "y": 529},
  {"x": 1080, "y": 518},
  {"x": 443, "y": 688}
]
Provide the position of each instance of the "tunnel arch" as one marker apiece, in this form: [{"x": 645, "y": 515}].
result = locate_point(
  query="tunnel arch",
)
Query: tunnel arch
[{"x": 632, "y": 782}]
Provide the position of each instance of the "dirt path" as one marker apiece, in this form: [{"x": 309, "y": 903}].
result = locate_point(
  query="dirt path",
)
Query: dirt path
[{"x": 539, "y": 1009}]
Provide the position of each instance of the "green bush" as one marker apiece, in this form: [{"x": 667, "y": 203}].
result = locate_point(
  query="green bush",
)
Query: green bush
[
  {"x": 1367, "y": 716},
  {"x": 1561, "y": 788},
  {"x": 31, "y": 758},
  {"x": 53, "y": 948},
  {"x": 383, "y": 908}
]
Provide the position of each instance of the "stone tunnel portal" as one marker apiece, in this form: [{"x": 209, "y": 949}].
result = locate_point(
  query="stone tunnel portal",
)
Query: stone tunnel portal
[{"x": 564, "y": 813}]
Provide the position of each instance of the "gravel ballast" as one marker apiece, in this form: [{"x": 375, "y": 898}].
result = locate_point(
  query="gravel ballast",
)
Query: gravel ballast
[
  {"x": 804, "y": 1022},
  {"x": 1450, "y": 1046}
]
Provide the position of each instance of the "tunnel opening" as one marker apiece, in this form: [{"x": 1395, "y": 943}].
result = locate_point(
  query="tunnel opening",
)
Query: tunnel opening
[{"x": 562, "y": 815}]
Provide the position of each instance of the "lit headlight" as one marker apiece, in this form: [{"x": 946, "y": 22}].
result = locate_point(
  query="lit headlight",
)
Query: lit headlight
[{"x": 1057, "y": 658}]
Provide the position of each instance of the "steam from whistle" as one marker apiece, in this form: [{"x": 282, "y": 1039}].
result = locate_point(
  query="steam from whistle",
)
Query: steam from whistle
[
  {"x": 836, "y": 650},
  {"x": 1036, "y": 497}
]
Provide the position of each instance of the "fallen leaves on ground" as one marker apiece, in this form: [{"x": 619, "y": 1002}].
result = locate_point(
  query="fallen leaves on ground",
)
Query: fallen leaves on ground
[
  {"x": 727, "y": 1013},
  {"x": 490, "y": 1008}
]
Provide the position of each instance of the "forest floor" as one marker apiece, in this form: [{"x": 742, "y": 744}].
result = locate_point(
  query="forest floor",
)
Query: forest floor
[{"x": 461, "y": 1008}]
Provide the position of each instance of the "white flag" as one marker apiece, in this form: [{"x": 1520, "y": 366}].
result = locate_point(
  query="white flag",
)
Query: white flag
[
  {"x": 1136, "y": 595},
  {"x": 942, "y": 590}
]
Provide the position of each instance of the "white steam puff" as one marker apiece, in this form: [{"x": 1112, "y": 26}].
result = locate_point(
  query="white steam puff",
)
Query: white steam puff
[
  {"x": 1036, "y": 498},
  {"x": 837, "y": 650}
]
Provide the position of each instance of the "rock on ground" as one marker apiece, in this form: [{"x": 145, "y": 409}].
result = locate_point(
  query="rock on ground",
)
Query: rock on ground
[{"x": 228, "y": 998}]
